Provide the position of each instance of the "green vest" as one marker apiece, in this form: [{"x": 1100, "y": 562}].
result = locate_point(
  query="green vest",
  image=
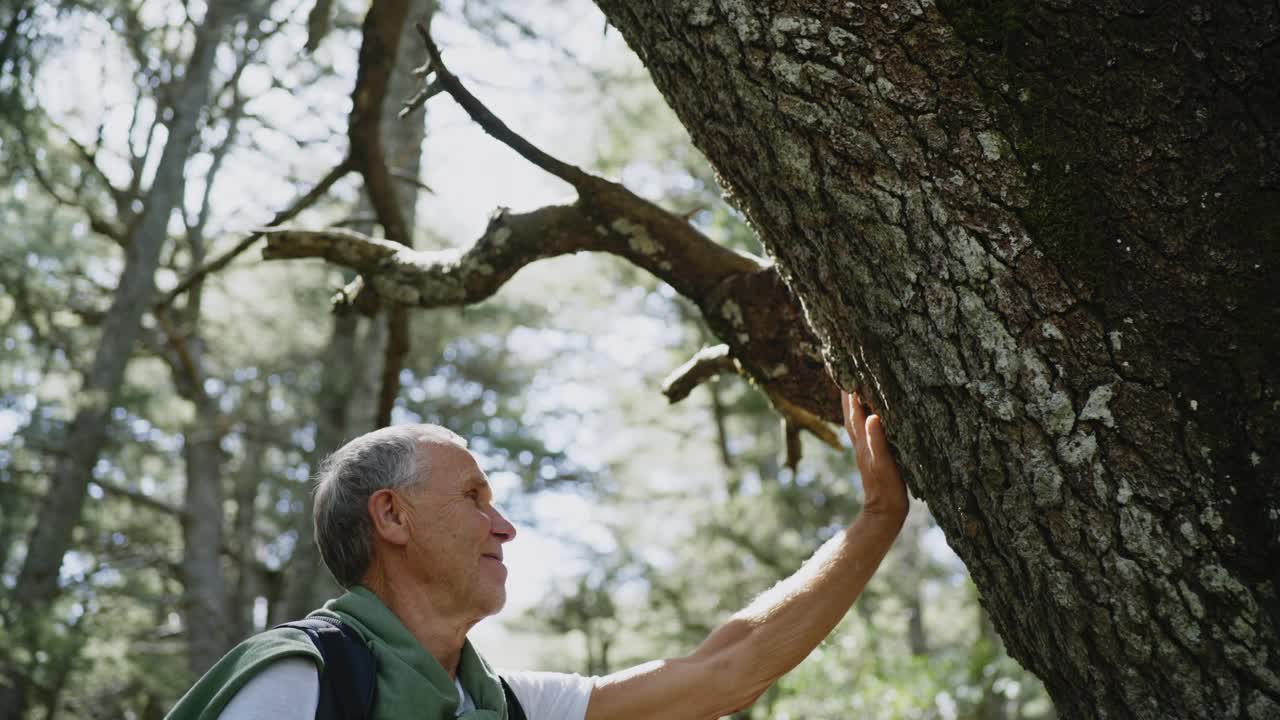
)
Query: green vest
[{"x": 411, "y": 682}]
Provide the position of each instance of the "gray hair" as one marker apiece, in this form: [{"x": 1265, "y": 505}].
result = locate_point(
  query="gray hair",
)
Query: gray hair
[{"x": 383, "y": 459}]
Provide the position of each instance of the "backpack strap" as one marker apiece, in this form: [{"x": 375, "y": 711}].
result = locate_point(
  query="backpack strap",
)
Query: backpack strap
[
  {"x": 349, "y": 679},
  {"x": 514, "y": 711}
]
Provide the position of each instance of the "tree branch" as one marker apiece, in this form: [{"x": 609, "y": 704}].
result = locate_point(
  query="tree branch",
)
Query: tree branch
[
  {"x": 186, "y": 370},
  {"x": 663, "y": 243},
  {"x": 744, "y": 301},
  {"x": 235, "y": 113},
  {"x": 140, "y": 498},
  {"x": 799, "y": 418},
  {"x": 318, "y": 22},
  {"x": 97, "y": 223},
  {"x": 791, "y": 438},
  {"x": 378, "y": 48},
  {"x": 121, "y": 198},
  {"x": 383, "y": 28},
  {"x": 493, "y": 126},
  {"x": 408, "y": 179},
  {"x": 511, "y": 241},
  {"x": 427, "y": 92}
]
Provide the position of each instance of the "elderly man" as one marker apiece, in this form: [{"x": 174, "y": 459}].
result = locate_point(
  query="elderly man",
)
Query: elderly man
[{"x": 405, "y": 521}]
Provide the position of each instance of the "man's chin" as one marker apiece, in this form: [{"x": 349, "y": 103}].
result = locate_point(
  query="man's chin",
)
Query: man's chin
[{"x": 495, "y": 601}]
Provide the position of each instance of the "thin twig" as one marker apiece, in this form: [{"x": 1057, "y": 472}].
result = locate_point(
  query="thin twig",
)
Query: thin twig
[
  {"x": 795, "y": 415},
  {"x": 428, "y": 91},
  {"x": 490, "y": 123},
  {"x": 355, "y": 221},
  {"x": 90, "y": 158},
  {"x": 337, "y": 173},
  {"x": 412, "y": 180},
  {"x": 97, "y": 223},
  {"x": 791, "y": 437},
  {"x": 139, "y": 497}
]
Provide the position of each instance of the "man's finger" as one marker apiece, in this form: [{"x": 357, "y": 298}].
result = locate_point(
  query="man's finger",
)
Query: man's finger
[
  {"x": 877, "y": 441},
  {"x": 857, "y": 421},
  {"x": 848, "y": 405}
]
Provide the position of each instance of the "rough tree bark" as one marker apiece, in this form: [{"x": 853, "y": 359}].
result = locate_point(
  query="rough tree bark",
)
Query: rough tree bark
[
  {"x": 1042, "y": 239},
  {"x": 1043, "y": 236},
  {"x": 51, "y": 534}
]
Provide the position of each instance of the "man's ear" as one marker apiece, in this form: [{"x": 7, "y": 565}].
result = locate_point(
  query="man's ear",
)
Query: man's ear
[{"x": 390, "y": 517}]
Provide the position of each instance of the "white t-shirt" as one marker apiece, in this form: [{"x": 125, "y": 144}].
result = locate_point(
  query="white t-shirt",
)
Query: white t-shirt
[{"x": 289, "y": 689}]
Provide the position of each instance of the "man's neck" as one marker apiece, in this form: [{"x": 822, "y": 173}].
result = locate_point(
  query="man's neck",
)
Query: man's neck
[{"x": 439, "y": 633}]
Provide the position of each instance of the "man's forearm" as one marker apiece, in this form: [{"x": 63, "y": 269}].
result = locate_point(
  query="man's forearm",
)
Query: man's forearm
[
  {"x": 781, "y": 627},
  {"x": 742, "y": 658}
]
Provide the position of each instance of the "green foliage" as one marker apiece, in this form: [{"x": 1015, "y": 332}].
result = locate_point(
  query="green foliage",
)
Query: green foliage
[{"x": 22, "y": 45}]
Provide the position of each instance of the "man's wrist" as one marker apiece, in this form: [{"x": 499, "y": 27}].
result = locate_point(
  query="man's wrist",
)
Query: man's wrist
[{"x": 883, "y": 518}]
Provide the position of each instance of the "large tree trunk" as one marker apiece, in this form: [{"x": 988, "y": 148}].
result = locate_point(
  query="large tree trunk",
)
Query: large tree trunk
[
  {"x": 1043, "y": 237},
  {"x": 50, "y": 537}
]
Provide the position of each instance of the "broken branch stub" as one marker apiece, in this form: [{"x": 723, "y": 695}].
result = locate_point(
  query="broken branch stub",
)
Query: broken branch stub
[{"x": 707, "y": 364}]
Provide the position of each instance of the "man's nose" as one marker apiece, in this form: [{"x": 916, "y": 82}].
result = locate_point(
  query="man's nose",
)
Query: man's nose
[{"x": 503, "y": 528}]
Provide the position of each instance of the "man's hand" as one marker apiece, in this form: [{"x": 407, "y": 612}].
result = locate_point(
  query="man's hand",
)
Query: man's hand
[{"x": 882, "y": 487}]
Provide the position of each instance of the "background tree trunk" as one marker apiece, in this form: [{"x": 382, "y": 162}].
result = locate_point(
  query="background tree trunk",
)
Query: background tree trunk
[
  {"x": 402, "y": 142},
  {"x": 251, "y": 476},
  {"x": 350, "y": 365},
  {"x": 991, "y": 705},
  {"x": 204, "y": 587},
  {"x": 1043, "y": 238},
  {"x": 308, "y": 581},
  {"x": 912, "y": 551},
  {"x": 210, "y": 623},
  {"x": 50, "y": 537}
]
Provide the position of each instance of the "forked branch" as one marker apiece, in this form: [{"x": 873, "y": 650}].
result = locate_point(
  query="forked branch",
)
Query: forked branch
[{"x": 744, "y": 301}]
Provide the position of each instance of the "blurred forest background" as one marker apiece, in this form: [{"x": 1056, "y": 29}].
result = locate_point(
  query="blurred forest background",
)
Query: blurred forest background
[{"x": 176, "y": 464}]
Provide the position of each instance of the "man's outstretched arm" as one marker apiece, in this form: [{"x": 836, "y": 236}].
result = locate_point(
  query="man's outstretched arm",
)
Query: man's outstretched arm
[{"x": 760, "y": 643}]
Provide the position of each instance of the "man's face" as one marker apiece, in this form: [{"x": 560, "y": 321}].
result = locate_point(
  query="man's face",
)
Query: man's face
[{"x": 456, "y": 548}]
